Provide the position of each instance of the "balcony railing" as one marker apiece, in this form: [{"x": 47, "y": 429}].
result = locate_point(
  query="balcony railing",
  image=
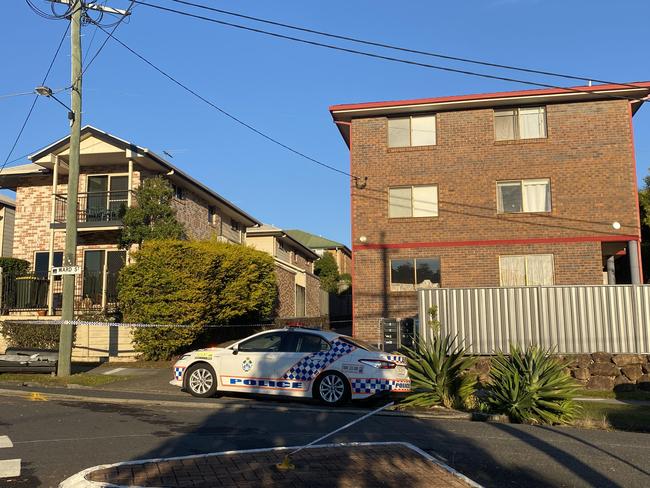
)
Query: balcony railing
[{"x": 94, "y": 209}]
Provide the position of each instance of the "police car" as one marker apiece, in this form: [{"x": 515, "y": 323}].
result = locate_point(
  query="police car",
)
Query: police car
[{"x": 298, "y": 362}]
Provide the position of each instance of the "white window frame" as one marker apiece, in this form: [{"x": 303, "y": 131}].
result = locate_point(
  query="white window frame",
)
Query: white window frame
[
  {"x": 412, "y": 187},
  {"x": 522, "y": 184},
  {"x": 517, "y": 132},
  {"x": 526, "y": 256},
  {"x": 410, "y": 119}
]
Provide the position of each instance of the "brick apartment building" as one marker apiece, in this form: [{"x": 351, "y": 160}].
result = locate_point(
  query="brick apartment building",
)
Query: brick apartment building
[
  {"x": 110, "y": 169},
  {"x": 534, "y": 187}
]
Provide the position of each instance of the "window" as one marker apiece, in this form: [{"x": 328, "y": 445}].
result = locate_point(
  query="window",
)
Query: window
[
  {"x": 412, "y": 131},
  {"x": 409, "y": 274},
  {"x": 41, "y": 262},
  {"x": 234, "y": 225},
  {"x": 179, "y": 194},
  {"x": 524, "y": 196},
  {"x": 107, "y": 197},
  {"x": 263, "y": 343},
  {"x": 300, "y": 301},
  {"x": 212, "y": 212},
  {"x": 530, "y": 270},
  {"x": 520, "y": 123},
  {"x": 413, "y": 201},
  {"x": 309, "y": 342}
]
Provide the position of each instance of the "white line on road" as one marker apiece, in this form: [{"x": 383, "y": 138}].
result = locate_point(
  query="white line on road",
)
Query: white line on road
[
  {"x": 5, "y": 441},
  {"x": 114, "y": 371},
  {"x": 9, "y": 468}
]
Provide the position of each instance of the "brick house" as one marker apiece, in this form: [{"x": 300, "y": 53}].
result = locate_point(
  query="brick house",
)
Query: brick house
[
  {"x": 299, "y": 291},
  {"x": 534, "y": 187},
  {"x": 320, "y": 245},
  {"x": 7, "y": 215}
]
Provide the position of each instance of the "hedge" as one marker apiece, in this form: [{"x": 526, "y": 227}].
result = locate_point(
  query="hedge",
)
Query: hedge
[
  {"x": 14, "y": 266},
  {"x": 31, "y": 336},
  {"x": 193, "y": 283}
]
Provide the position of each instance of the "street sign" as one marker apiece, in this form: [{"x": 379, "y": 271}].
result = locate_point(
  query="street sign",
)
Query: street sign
[{"x": 66, "y": 270}]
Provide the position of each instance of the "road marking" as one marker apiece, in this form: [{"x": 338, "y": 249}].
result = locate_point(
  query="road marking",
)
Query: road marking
[
  {"x": 5, "y": 441},
  {"x": 114, "y": 371},
  {"x": 9, "y": 468},
  {"x": 37, "y": 397}
]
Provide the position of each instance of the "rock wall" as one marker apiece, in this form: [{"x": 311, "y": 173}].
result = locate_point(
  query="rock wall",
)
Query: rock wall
[{"x": 598, "y": 371}]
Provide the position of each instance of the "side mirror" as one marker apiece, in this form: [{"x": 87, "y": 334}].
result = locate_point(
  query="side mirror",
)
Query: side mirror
[{"x": 235, "y": 349}]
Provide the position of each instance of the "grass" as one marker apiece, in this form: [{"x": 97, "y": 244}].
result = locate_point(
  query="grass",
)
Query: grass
[
  {"x": 622, "y": 395},
  {"x": 608, "y": 416},
  {"x": 83, "y": 379}
]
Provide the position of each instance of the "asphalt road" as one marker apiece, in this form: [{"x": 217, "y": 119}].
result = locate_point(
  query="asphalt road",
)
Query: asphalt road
[{"x": 56, "y": 439}]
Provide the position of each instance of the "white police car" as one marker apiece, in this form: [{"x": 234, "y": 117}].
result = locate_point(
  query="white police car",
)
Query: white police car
[{"x": 295, "y": 362}]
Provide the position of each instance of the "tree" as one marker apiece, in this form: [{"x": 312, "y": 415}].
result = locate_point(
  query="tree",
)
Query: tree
[
  {"x": 328, "y": 272},
  {"x": 193, "y": 283},
  {"x": 644, "y": 212},
  {"x": 153, "y": 216}
]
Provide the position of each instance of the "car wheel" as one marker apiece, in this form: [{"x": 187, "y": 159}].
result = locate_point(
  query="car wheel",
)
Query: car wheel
[
  {"x": 201, "y": 380},
  {"x": 332, "y": 388}
]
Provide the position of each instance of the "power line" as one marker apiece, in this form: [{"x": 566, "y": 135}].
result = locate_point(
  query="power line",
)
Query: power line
[
  {"x": 379, "y": 56},
  {"x": 31, "y": 92},
  {"x": 31, "y": 108},
  {"x": 224, "y": 112},
  {"x": 400, "y": 48}
]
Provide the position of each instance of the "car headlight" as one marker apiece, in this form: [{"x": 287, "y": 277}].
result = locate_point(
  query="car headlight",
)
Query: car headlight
[{"x": 378, "y": 363}]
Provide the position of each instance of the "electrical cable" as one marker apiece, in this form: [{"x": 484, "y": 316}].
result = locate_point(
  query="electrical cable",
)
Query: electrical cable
[
  {"x": 400, "y": 48},
  {"x": 36, "y": 97},
  {"x": 379, "y": 56},
  {"x": 224, "y": 112}
]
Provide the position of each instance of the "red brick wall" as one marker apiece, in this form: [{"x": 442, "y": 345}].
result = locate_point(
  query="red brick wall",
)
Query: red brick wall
[
  {"x": 587, "y": 156},
  {"x": 286, "y": 281}
]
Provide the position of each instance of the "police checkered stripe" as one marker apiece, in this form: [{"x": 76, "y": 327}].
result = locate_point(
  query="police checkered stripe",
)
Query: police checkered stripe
[
  {"x": 178, "y": 372},
  {"x": 373, "y": 385},
  {"x": 397, "y": 359},
  {"x": 308, "y": 368}
]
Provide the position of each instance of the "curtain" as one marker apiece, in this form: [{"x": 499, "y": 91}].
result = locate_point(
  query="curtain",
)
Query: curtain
[
  {"x": 531, "y": 123},
  {"x": 539, "y": 269},
  {"x": 399, "y": 132},
  {"x": 537, "y": 195},
  {"x": 399, "y": 202},
  {"x": 423, "y": 130},
  {"x": 513, "y": 270},
  {"x": 504, "y": 125},
  {"x": 425, "y": 201}
]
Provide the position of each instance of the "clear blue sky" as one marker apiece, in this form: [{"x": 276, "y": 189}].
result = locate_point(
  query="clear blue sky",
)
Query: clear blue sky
[{"x": 285, "y": 88}]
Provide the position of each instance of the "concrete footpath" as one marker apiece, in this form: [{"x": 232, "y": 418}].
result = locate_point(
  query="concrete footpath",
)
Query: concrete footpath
[{"x": 345, "y": 465}]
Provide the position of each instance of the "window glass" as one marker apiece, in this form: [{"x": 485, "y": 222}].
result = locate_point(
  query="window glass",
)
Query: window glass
[
  {"x": 399, "y": 202},
  {"x": 539, "y": 270},
  {"x": 425, "y": 201},
  {"x": 41, "y": 261},
  {"x": 504, "y": 125},
  {"x": 311, "y": 343},
  {"x": 512, "y": 270},
  {"x": 359, "y": 343},
  {"x": 509, "y": 196},
  {"x": 423, "y": 130},
  {"x": 399, "y": 132},
  {"x": 427, "y": 272},
  {"x": 532, "y": 123},
  {"x": 402, "y": 275},
  {"x": 263, "y": 343},
  {"x": 211, "y": 214},
  {"x": 537, "y": 195}
]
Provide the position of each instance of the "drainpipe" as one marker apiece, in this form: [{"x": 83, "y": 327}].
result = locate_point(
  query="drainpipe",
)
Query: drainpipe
[{"x": 633, "y": 254}]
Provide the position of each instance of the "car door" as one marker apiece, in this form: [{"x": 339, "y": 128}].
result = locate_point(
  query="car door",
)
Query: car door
[
  {"x": 252, "y": 364},
  {"x": 299, "y": 365}
]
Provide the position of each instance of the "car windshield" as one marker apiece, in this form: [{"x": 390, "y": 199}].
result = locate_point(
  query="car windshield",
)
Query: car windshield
[{"x": 360, "y": 344}]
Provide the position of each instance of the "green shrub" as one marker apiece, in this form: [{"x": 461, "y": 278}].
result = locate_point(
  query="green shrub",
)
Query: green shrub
[
  {"x": 193, "y": 283},
  {"x": 439, "y": 373},
  {"x": 14, "y": 266},
  {"x": 31, "y": 336},
  {"x": 531, "y": 386}
]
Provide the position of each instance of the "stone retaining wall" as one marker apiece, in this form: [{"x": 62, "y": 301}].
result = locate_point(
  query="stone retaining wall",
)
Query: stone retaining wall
[{"x": 598, "y": 371}]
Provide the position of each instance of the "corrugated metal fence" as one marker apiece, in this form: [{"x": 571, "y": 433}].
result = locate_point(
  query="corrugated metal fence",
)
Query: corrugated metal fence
[{"x": 571, "y": 319}]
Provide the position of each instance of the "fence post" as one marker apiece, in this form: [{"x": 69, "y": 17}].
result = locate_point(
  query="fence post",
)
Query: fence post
[{"x": 104, "y": 285}]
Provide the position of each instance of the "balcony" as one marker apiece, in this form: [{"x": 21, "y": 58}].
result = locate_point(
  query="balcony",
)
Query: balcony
[{"x": 103, "y": 209}]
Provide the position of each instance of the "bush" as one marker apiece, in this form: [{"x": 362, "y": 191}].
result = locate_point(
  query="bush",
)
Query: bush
[
  {"x": 440, "y": 374},
  {"x": 327, "y": 270},
  {"x": 193, "y": 283},
  {"x": 14, "y": 266},
  {"x": 532, "y": 387},
  {"x": 31, "y": 336}
]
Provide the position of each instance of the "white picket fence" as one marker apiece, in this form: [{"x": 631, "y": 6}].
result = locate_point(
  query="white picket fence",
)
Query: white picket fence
[{"x": 570, "y": 319}]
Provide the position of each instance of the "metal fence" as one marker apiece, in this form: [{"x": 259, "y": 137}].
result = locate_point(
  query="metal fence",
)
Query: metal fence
[{"x": 570, "y": 319}]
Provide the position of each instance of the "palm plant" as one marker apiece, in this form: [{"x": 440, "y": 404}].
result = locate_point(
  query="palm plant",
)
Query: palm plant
[
  {"x": 439, "y": 373},
  {"x": 531, "y": 386}
]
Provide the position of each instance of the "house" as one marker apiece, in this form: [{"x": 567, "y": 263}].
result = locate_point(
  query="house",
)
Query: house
[
  {"x": 524, "y": 188},
  {"x": 7, "y": 214},
  {"x": 298, "y": 286},
  {"x": 320, "y": 245}
]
